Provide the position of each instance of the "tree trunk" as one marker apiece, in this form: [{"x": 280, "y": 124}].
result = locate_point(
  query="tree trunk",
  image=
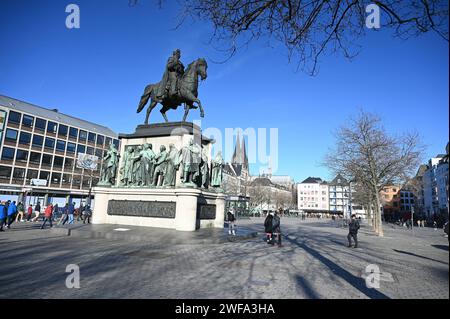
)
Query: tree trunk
[
  {"x": 378, "y": 215},
  {"x": 369, "y": 216}
]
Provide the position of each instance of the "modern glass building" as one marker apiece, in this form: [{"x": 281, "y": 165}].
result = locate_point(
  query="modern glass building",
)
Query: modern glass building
[{"x": 39, "y": 148}]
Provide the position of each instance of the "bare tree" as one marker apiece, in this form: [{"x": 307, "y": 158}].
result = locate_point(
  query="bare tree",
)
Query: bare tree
[
  {"x": 310, "y": 29},
  {"x": 370, "y": 156}
]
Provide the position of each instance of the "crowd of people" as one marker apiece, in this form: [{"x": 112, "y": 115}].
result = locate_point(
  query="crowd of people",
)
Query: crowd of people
[{"x": 10, "y": 213}]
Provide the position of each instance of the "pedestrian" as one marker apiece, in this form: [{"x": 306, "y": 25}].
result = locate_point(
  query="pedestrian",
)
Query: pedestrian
[
  {"x": 37, "y": 212},
  {"x": 48, "y": 216},
  {"x": 29, "y": 212},
  {"x": 12, "y": 211},
  {"x": 231, "y": 222},
  {"x": 64, "y": 215},
  {"x": 435, "y": 225},
  {"x": 55, "y": 212},
  {"x": 353, "y": 228},
  {"x": 268, "y": 222},
  {"x": 446, "y": 230},
  {"x": 71, "y": 210},
  {"x": 3, "y": 214},
  {"x": 80, "y": 212},
  {"x": 276, "y": 230},
  {"x": 88, "y": 213},
  {"x": 20, "y": 212}
]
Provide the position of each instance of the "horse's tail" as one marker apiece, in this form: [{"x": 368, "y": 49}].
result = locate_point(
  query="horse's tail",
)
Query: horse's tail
[{"x": 145, "y": 97}]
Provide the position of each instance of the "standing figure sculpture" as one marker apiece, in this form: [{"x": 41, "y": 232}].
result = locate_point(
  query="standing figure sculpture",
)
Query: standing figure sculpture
[
  {"x": 173, "y": 162},
  {"x": 127, "y": 167},
  {"x": 145, "y": 158},
  {"x": 137, "y": 164},
  {"x": 204, "y": 169},
  {"x": 190, "y": 158},
  {"x": 160, "y": 166},
  {"x": 177, "y": 86},
  {"x": 217, "y": 169},
  {"x": 110, "y": 161}
]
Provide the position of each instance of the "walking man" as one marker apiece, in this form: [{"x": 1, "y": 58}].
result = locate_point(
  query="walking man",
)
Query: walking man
[
  {"x": 70, "y": 212},
  {"x": 2, "y": 215},
  {"x": 276, "y": 227},
  {"x": 12, "y": 210},
  {"x": 87, "y": 214},
  {"x": 37, "y": 211},
  {"x": 48, "y": 215},
  {"x": 20, "y": 212},
  {"x": 231, "y": 222},
  {"x": 353, "y": 228}
]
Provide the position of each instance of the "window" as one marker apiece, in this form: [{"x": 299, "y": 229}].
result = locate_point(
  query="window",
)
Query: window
[
  {"x": 51, "y": 127},
  {"x": 14, "y": 117},
  {"x": 86, "y": 181},
  {"x": 25, "y": 138},
  {"x": 58, "y": 161},
  {"x": 38, "y": 140},
  {"x": 76, "y": 181},
  {"x": 47, "y": 160},
  {"x": 73, "y": 132},
  {"x": 71, "y": 147},
  {"x": 68, "y": 164},
  {"x": 100, "y": 139},
  {"x": 90, "y": 151},
  {"x": 108, "y": 141},
  {"x": 60, "y": 146},
  {"x": 8, "y": 154},
  {"x": 40, "y": 124},
  {"x": 49, "y": 143},
  {"x": 11, "y": 135},
  {"x": 19, "y": 173},
  {"x": 62, "y": 131},
  {"x": 56, "y": 178},
  {"x": 98, "y": 153},
  {"x": 66, "y": 178},
  {"x": 32, "y": 174},
  {"x": 44, "y": 175},
  {"x": 394, "y": 190},
  {"x": 5, "y": 172},
  {"x": 21, "y": 155},
  {"x": 81, "y": 149},
  {"x": 35, "y": 158},
  {"x": 27, "y": 120},
  {"x": 83, "y": 136},
  {"x": 91, "y": 137}
]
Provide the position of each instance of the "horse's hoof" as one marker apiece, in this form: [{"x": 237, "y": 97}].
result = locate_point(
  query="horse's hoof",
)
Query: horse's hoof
[{"x": 202, "y": 114}]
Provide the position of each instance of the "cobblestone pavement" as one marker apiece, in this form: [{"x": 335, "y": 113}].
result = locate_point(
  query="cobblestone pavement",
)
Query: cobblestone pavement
[{"x": 313, "y": 263}]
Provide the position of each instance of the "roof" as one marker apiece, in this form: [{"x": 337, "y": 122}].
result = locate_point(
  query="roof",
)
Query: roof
[
  {"x": 312, "y": 180},
  {"x": 262, "y": 181},
  {"x": 54, "y": 115},
  {"x": 339, "y": 181}
]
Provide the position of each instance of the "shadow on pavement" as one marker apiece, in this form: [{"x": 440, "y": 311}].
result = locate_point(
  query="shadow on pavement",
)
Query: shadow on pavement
[
  {"x": 412, "y": 254},
  {"x": 443, "y": 247}
]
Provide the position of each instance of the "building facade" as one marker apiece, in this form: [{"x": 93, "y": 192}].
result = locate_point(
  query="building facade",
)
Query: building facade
[
  {"x": 313, "y": 195},
  {"x": 39, "y": 148},
  {"x": 339, "y": 195}
]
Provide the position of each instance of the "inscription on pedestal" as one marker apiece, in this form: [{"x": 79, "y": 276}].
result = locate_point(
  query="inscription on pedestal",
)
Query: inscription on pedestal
[
  {"x": 138, "y": 208},
  {"x": 207, "y": 212}
]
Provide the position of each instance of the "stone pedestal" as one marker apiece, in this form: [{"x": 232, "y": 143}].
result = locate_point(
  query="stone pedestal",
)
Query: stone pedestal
[
  {"x": 179, "y": 207},
  {"x": 184, "y": 209}
]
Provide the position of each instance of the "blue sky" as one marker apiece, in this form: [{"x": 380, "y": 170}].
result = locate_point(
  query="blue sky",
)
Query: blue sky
[{"x": 98, "y": 73}]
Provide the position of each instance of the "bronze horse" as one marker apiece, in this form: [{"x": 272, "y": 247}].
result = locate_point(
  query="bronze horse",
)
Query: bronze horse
[{"x": 188, "y": 92}]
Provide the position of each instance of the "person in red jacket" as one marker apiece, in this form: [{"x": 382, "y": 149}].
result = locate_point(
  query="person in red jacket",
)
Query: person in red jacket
[
  {"x": 48, "y": 215},
  {"x": 29, "y": 212}
]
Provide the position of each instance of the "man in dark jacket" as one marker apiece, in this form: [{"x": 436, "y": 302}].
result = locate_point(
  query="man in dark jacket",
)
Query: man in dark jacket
[
  {"x": 3, "y": 214},
  {"x": 268, "y": 228},
  {"x": 276, "y": 227},
  {"x": 353, "y": 228}
]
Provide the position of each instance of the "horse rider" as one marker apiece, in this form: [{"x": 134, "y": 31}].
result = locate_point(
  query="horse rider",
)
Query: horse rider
[{"x": 170, "y": 83}]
